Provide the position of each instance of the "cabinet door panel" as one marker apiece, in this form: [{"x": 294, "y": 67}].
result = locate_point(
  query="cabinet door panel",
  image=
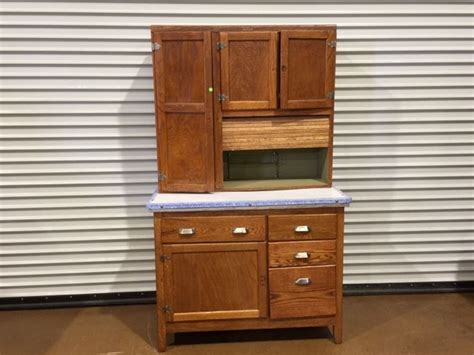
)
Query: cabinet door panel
[
  {"x": 307, "y": 69},
  {"x": 215, "y": 281},
  {"x": 182, "y": 69},
  {"x": 248, "y": 70}
]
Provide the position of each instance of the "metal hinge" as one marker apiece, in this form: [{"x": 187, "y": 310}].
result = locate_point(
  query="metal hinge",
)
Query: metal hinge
[
  {"x": 330, "y": 95},
  {"x": 220, "y": 45},
  {"x": 161, "y": 177},
  {"x": 166, "y": 309},
  {"x": 155, "y": 46},
  {"x": 332, "y": 44},
  {"x": 164, "y": 258},
  {"x": 222, "y": 97}
]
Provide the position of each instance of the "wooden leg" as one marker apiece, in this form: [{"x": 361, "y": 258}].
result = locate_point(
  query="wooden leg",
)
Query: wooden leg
[
  {"x": 161, "y": 336},
  {"x": 337, "y": 333}
]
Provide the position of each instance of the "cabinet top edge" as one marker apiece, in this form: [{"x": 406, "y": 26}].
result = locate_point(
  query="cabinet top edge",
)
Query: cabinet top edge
[{"x": 217, "y": 28}]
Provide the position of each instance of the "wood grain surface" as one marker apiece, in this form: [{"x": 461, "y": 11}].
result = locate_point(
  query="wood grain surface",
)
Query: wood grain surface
[
  {"x": 274, "y": 133},
  {"x": 288, "y": 300}
]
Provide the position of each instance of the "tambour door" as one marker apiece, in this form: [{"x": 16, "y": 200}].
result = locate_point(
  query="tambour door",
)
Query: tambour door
[
  {"x": 248, "y": 63},
  {"x": 215, "y": 281},
  {"x": 183, "y": 81},
  {"x": 307, "y": 68}
]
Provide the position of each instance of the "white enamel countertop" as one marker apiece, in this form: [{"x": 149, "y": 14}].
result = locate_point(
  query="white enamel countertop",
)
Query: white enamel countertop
[{"x": 315, "y": 197}]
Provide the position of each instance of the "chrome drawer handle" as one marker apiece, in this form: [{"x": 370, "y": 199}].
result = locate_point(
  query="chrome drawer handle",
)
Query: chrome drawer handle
[
  {"x": 187, "y": 231},
  {"x": 240, "y": 230},
  {"x": 302, "y": 229},
  {"x": 302, "y": 255},
  {"x": 303, "y": 281}
]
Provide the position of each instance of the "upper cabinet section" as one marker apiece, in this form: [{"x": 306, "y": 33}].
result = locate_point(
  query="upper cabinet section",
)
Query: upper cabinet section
[
  {"x": 248, "y": 62},
  {"x": 307, "y": 65},
  {"x": 286, "y": 69}
]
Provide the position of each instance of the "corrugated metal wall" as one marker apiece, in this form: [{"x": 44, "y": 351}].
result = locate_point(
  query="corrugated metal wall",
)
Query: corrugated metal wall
[{"x": 77, "y": 138}]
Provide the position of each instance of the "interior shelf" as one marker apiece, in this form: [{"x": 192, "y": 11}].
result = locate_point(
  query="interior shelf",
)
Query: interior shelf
[{"x": 276, "y": 168}]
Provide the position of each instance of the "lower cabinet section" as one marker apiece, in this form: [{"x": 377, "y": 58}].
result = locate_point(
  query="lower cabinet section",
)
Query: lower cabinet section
[
  {"x": 249, "y": 269},
  {"x": 302, "y": 292},
  {"x": 215, "y": 281}
]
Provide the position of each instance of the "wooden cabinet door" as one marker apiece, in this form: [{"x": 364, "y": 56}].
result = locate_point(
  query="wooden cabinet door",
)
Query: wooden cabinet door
[
  {"x": 248, "y": 70},
  {"x": 215, "y": 281},
  {"x": 307, "y": 69},
  {"x": 183, "y": 76}
]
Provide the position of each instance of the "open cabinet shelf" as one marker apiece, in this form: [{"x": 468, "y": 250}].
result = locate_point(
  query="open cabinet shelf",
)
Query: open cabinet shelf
[{"x": 275, "y": 169}]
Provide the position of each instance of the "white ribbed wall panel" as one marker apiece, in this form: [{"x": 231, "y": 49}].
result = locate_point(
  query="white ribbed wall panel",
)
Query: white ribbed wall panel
[{"x": 77, "y": 138}]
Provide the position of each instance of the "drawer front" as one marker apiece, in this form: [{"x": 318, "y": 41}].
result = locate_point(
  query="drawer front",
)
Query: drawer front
[
  {"x": 302, "y": 292},
  {"x": 213, "y": 229},
  {"x": 307, "y": 253},
  {"x": 302, "y": 227}
]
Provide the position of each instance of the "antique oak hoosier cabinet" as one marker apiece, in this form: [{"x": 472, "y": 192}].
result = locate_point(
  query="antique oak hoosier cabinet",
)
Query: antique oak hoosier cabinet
[{"x": 248, "y": 230}]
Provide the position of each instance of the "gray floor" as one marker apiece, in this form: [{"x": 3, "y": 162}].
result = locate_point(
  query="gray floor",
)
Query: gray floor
[{"x": 406, "y": 324}]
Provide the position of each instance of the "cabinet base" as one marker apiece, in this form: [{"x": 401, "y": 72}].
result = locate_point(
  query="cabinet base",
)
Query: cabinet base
[{"x": 242, "y": 324}]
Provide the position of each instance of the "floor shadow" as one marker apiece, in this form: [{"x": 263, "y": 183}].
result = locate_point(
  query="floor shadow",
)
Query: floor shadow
[{"x": 238, "y": 336}]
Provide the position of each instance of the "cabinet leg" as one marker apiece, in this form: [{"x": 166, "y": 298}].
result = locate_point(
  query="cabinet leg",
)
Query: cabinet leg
[
  {"x": 337, "y": 333},
  {"x": 161, "y": 339}
]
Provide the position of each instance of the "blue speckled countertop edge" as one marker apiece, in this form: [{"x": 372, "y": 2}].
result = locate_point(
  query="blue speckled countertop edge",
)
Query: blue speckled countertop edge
[{"x": 344, "y": 200}]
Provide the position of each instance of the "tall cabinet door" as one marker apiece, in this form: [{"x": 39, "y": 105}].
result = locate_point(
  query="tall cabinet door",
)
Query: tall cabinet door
[
  {"x": 307, "y": 66},
  {"x": 248, "y": 70},
  {"x": 215, "y": 281},
  {"x": 183, "y": 81}
]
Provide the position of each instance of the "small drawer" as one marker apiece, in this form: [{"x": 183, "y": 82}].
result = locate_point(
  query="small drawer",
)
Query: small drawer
[
  {"x": 213, "y": 229},
  {"x": 307, "y": 253},
  {"x": 302, "y": 292},
  {"x": 302, "y": 227}
]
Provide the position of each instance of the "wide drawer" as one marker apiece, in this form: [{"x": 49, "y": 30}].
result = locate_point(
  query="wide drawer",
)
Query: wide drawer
[
  {"x": 307, "y": 253},
  {"x": 212, "y": 229},
  {"x": 302, "y": 292},
  {"x": 302, "y": 227}
]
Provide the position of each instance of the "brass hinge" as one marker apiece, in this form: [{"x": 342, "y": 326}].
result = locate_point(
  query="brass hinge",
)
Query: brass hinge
[
  {"x": 223, "y": 97},
  {"x": 166, "y": 309},
  {"x": 332, "y": 44},
  {"x": 155, "y": 46},
  {"x": 164, "y": 258},
  {"x": 220, "y": 45},
  {"x": 330, "y": 95},
  {"x": 161, "y": 177}
]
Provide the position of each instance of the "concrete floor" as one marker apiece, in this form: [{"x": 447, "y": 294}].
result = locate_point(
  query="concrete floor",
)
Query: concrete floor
[{"x": 402, "y": 324}]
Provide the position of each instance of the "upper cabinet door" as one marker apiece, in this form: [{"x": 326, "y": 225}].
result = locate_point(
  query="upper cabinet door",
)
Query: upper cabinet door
[
  {"x": 248, "y": 70},
  {"x": 183, "y": 81},
  {"x": 307, "y": 69}
]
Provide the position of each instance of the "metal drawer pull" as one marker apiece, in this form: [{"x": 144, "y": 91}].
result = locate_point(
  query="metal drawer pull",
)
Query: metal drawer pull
[
  {"x": 303, "y": 281},
  {"x": 302, "y": 229},
  {"x": 302, "y": 255},
  {"x": 240, "y": 230},
  {"x": 187, "y": 231}
]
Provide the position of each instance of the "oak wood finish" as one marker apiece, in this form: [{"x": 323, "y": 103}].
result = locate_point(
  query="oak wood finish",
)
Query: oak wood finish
[
  {"x": 275, "y": 133},
  {"x": 248, "y": 69},
  {"x": 321, "y": 226},
  {"x": 289, "y": 300},
  {"x": 183, "y": 73},
  {"x": 215, "y": 281},
  {"x": 256, "y": 65},
  {"x": 213, "y": 229},
  {"x": 238, "y": 324},
  {"x": 306, "y": 68},
  {"x": 284, "y": 254}
]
